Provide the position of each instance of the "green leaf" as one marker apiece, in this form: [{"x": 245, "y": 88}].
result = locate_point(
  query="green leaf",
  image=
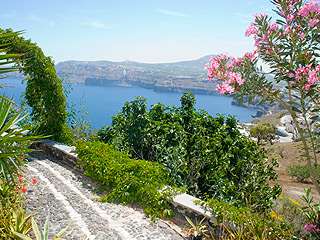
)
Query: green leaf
[
  {"x": 38, "y": 234},
  {"x": 46, "y": 228},
  {"x": 24, "y": 237},
  {"x": 63, "y": 231}
]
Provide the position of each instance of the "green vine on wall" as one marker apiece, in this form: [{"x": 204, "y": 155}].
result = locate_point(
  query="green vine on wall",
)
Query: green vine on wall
[{"x": 44, "y": 90}]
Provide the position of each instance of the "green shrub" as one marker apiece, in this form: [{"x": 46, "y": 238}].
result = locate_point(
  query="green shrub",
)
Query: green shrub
[
  {"x": 301, "y": 172},
  {"x": 206, "y": 155},
  {"x": 263, "y": 132},
  {"x": 127, "y": 180},
  {"x": 242, "y": 223}
]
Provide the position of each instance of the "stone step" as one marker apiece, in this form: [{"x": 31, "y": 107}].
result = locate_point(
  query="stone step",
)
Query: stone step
[{"x": 68, "y": 197}]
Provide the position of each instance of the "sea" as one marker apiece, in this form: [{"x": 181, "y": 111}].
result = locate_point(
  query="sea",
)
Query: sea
[{"x": 100, "y": 103}]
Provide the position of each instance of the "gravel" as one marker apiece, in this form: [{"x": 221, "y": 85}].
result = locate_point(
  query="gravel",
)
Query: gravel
[{"x": 67, "y": 196}]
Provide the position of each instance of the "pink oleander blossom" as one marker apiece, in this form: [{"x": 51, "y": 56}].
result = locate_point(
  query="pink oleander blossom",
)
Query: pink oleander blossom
[
  {"x": 272, "y": 26},
  {"x": 312, "y": 77},
  {"x": 313, "y": 22},
  {"x": 223, "y": 56},
  {"x": 292, "y": 83},
  {"x": 225, "y": 88},
  {"x": 290, "y": 75},
  {"x": 239, "y": 79},
  {"x": 301, "y": 35},
  {"x": 250, "y": 56},
  {"x": 309, "y": 7},
  {"x": 264, "y": 38},
  {"x": 289, "y": 18},
  {"x": 260, "y": 15},
  {"x": 250, "y": 30},
  {"x": 307, "y": 87}
]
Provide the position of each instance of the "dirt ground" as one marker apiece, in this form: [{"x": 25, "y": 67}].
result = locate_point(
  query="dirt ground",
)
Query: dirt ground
[{"x": 287, "y": 154}]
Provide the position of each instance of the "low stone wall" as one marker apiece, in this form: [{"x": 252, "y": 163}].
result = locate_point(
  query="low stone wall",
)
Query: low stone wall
[{"x": 182, "y": 205}]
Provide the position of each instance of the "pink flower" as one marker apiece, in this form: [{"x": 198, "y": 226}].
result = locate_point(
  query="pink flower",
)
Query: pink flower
[
  {"x": 250, "y": 56},
  {"x": 290, "y": 75},
  {"x": 260, "y": 15},
  {"x": 225, "y": 88},
  {"x": 313, "y": 22},
  {"x": 251, "y": 30},
  {"x": 289, "y": 18},
  {"x": 312, "y": 77},
  {"x": 264, "y": 38},
  {"x": 34, "y": 180},
  {"x": 307, "y": 87},
  {"x": 23, "y": 189},
  {"x": 308, "y": 8},
  {"x": 287, "y": 29},
  {"x": 239, "y": 80},
  {"x": 223, "y": 56},
  {"x": 20, "y": 180},
  {"x": 272, "y": 26},
  {"x": 301, "y": 35}
]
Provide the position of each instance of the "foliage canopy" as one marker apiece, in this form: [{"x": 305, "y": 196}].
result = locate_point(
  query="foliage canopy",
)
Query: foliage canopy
[
  {"x": 207, "y": 155},
  {"x": 44, "y": 91}
]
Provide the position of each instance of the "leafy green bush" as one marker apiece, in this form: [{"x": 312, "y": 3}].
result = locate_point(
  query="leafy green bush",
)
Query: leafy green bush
[
  {"x": 301, "y": 172},
  {"x": 242, "y": 223},
  {"x": 207, "y": 155},
  {"x": 127, "y": 180},
  {"x": 44, "y": 90},
  {"x": 263, "y": 132}
]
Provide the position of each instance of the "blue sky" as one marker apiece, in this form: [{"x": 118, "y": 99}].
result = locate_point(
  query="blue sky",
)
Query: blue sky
[{"x": 138, "y": 30}]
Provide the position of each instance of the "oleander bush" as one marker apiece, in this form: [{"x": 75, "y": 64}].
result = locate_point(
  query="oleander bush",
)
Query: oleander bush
[
  {"x": 127, "y": 180},
  {"x": 207, "y": 155}
]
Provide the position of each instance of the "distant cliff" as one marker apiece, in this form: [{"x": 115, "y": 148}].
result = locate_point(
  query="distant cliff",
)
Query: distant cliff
[
  {"x": 161, "y": 77},
  {"x": 164, "y": 77}
]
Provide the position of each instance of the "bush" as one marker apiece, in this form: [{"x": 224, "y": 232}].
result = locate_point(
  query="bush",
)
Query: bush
[
  {"x": 242, "y": 223},
  {"x": 207, "y": 155},
  {"x": 263, "y": 132},
  {"x": 127, "y": 180},
  {"x": 301, "y": 172}
]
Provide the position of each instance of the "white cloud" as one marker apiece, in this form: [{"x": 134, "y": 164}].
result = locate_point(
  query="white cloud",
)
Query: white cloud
[
  {"x": 172, "y": 13},
  {"x": 34, "y": 18},
  {"x": 98, "y": 25},
  {"x": 245, "y": 18},
  {"x": 10, "y": 15},
  {"x": 244, "y": 15}
]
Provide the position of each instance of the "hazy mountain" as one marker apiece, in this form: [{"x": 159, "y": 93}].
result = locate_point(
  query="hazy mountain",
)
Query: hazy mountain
[{"x": 177, "y": 76}]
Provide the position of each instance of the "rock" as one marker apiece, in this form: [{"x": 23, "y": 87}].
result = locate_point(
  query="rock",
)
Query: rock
[{"x": 281, "y": 133}]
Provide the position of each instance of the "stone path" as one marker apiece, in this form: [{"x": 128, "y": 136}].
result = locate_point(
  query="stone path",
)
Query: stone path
[{"x": 68, "y": 197}]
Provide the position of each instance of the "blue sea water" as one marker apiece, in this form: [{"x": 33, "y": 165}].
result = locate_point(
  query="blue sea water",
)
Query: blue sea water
[{"x": 104, "y": 102}]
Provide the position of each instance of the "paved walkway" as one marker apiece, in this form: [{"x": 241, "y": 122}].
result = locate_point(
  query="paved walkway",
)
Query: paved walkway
[{"x": 67, "y": 196}]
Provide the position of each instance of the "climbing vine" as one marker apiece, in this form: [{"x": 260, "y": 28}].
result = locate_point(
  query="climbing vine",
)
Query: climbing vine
[{"x": 44, "y": 90}]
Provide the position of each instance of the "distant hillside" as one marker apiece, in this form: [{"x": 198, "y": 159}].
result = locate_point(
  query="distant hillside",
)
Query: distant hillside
[{"x": 173, "y": 77}]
